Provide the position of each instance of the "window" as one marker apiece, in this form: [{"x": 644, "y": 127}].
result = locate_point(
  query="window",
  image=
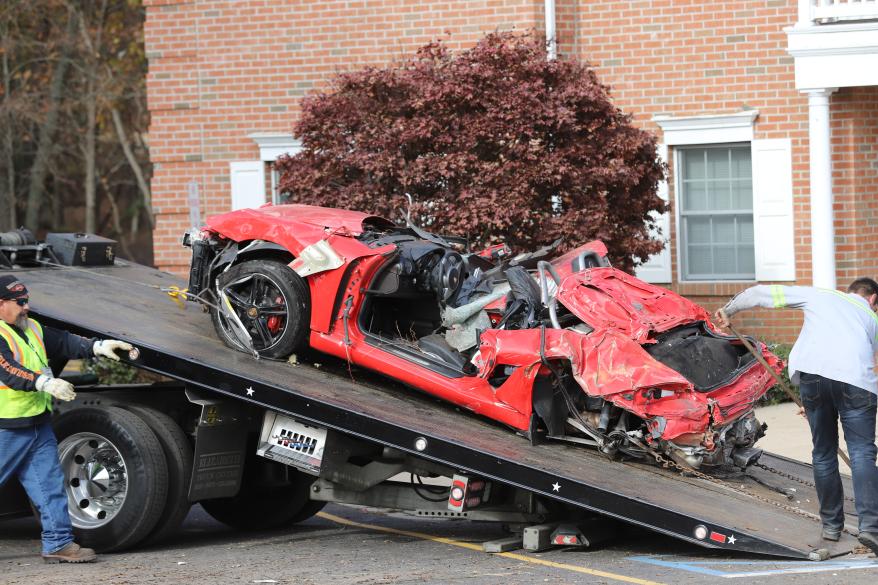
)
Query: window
[
  {"x": 734, "y": 201},
  {"x": 715, "y": 199},
  {"x": 276, "y": 197},
  {"x": 272, "y": 145}
]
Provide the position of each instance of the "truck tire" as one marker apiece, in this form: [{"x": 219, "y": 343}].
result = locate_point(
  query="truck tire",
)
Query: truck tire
[
  {"x": 178, "y": 455},
  {"x": 266, "y": 505},
  {"x": 273, "y": 304},
  {"x": 115, "y": 476},
  {"x": 308, "y": 510}
]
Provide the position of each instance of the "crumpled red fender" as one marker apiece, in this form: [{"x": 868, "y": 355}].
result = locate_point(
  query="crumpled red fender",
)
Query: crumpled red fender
[{"x": 610, "y": 365}]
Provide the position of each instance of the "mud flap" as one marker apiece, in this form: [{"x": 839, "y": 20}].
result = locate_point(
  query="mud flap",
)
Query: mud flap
[
  {"x": 550, "y": 406},
  {"x": 533, "y": 429},
  {"x": 220, "y": 447}
]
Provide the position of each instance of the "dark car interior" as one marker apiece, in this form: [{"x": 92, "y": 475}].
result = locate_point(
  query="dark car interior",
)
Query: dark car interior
[{"x": 402, "y": 310}]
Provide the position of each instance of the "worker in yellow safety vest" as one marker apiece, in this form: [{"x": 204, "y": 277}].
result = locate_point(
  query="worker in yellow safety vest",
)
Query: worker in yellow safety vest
[{"x": 28, "y": 449}]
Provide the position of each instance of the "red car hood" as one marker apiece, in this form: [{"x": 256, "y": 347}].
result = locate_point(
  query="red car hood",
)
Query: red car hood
[
  {"x": 322, "y": 217},
  {"x": 607, "y": 298},
  {"x": 293, "y": 226}
]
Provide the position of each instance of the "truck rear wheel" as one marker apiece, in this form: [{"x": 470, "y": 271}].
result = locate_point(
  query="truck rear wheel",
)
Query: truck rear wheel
[
  {"x": 115, "y": 476},
  {"x": 272, "y": 496},
  {"x": 178, "y": 454}
]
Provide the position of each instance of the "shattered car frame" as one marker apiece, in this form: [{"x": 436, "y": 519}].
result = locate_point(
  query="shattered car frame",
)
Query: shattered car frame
[{"x": 566, "y": 348}]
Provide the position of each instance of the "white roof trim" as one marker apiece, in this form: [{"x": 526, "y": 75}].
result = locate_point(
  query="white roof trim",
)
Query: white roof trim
[
  {"x": 712, "y": 129},
  {"x": 273, "y": 144}
]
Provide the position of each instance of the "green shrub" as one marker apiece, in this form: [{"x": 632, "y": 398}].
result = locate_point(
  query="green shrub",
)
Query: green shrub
[
  {"x": 776, "y": 394},
  {"x": 536, "y": 146},
  {"x": 110, "y": 373}
]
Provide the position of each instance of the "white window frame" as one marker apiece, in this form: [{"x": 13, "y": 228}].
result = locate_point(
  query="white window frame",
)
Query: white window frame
[
  {"x": 657, "y": 268},
  {"x": 678, "y": 211},
  {"x": 271, "y": 146},
  {"x": 246, "y": 184},
  {"x": 710, "y": 130},
  {"x": 773, "y": 225}
]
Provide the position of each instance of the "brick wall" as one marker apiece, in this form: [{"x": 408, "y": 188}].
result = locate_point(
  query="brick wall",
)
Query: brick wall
[
  {"x": 689, "y": 58},
  {"x": 854, "y": 121},
  {"x": 220, "y": 71}
]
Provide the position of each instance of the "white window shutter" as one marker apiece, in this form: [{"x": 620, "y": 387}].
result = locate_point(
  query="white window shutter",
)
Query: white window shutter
[
  {"x": 248, "y": 184},
  {"x": 658, "y": 267},
  {"x": 773, "y": 209}
]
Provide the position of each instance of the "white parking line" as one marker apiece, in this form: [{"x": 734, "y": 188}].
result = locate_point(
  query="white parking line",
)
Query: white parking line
[{"x": 783, "y": 567}]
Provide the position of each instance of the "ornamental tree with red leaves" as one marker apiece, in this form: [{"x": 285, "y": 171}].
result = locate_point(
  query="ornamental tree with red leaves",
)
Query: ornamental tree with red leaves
[{"x": 494, "y": 143}]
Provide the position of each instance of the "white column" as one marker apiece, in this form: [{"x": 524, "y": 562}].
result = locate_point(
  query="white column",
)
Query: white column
[{"x": 822, "y": 217}]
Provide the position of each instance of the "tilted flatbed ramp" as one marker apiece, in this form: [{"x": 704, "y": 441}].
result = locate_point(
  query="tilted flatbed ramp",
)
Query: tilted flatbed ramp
[{"x": 176, "y": 339}]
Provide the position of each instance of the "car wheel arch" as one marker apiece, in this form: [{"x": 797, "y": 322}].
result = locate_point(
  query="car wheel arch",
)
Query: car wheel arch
[{"x": 240, "y": 252}]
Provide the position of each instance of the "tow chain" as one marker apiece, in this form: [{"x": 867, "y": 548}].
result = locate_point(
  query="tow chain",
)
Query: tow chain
[
  {"x": 668, "y": 463},
  {"x": 793, "y": 478},
  {"x": 671, "y": 464}
]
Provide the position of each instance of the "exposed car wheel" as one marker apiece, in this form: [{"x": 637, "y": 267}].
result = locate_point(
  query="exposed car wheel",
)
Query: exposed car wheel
[
  {"x": 178, "y": 454},
  {"x": 115, "y": 476},
  {"x": 272, "y": 496},
  {"x": 272, "y": 303}
]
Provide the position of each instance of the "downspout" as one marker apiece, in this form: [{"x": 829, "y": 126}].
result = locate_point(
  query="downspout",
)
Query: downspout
[{"x": 551, "y": 38}]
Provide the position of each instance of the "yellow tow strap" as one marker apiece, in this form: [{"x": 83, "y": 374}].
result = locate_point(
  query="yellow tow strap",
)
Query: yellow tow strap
[{"x": 177, "y": 294}]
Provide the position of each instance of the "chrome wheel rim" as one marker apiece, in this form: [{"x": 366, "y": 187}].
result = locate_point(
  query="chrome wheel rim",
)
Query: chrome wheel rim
[{"x": 95, "y": 479}]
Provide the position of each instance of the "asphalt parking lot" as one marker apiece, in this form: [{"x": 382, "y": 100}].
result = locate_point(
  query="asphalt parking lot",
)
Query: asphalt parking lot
[{"x": 347, "y": 545}]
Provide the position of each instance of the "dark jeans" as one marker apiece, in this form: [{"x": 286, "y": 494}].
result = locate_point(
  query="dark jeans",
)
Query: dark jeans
[
  {"x": 825, "y": 402},
  {"x": 31, "y": 455}
]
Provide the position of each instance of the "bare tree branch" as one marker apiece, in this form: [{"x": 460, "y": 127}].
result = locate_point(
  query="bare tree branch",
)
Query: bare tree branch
[
  {"x": 47, "y": 129},
  {"x": 135, "y": 166},
  {"x": 8, "y": 214},
  {"x": 90, "y": 70},
  {"x": 117, "y": 223}
]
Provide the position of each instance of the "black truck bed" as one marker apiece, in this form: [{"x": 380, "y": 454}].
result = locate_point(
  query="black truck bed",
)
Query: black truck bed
[{"x": 176, "y": 339}]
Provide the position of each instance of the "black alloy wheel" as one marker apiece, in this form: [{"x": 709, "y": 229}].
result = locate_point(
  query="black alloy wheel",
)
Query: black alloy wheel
[{"x": 271, "y": 302}]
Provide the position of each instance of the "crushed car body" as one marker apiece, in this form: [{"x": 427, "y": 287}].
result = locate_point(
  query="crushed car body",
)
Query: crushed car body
[{"x": 566, "y": 348}]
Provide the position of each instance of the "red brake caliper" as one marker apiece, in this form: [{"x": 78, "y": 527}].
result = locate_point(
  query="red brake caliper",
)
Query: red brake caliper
[{"x": 275, "y": 322}]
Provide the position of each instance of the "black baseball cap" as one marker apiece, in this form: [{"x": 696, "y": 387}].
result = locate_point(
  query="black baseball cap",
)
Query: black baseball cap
[{"x": 11, "y": 288}]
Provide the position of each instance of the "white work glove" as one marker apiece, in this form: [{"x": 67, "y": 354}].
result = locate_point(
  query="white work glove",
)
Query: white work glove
[
  {"x": 106, "y": 348},
  {"x": 60, "y": 389}
]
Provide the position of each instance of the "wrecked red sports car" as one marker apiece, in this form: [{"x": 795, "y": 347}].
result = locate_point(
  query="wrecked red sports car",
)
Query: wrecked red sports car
[{"x": 566, "y": 348}]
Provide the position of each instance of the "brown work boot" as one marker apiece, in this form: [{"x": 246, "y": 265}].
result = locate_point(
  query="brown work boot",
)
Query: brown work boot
[
  {"x": 830, "y": 534},
  {"x": 869, "y": 539},
  {"x": 72, "y": 553}
]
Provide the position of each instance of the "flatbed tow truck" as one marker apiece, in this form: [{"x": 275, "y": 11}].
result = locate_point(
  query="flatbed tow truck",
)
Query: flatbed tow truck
[{"x": 262, "y": 443}]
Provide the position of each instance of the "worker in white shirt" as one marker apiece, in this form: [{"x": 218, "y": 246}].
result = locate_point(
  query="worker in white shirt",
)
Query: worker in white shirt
[{"x": 833, "y": 362}]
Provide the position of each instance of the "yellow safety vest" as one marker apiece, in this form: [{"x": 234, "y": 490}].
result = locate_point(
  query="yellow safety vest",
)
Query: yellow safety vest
[{"x": 16, "y": 403}]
